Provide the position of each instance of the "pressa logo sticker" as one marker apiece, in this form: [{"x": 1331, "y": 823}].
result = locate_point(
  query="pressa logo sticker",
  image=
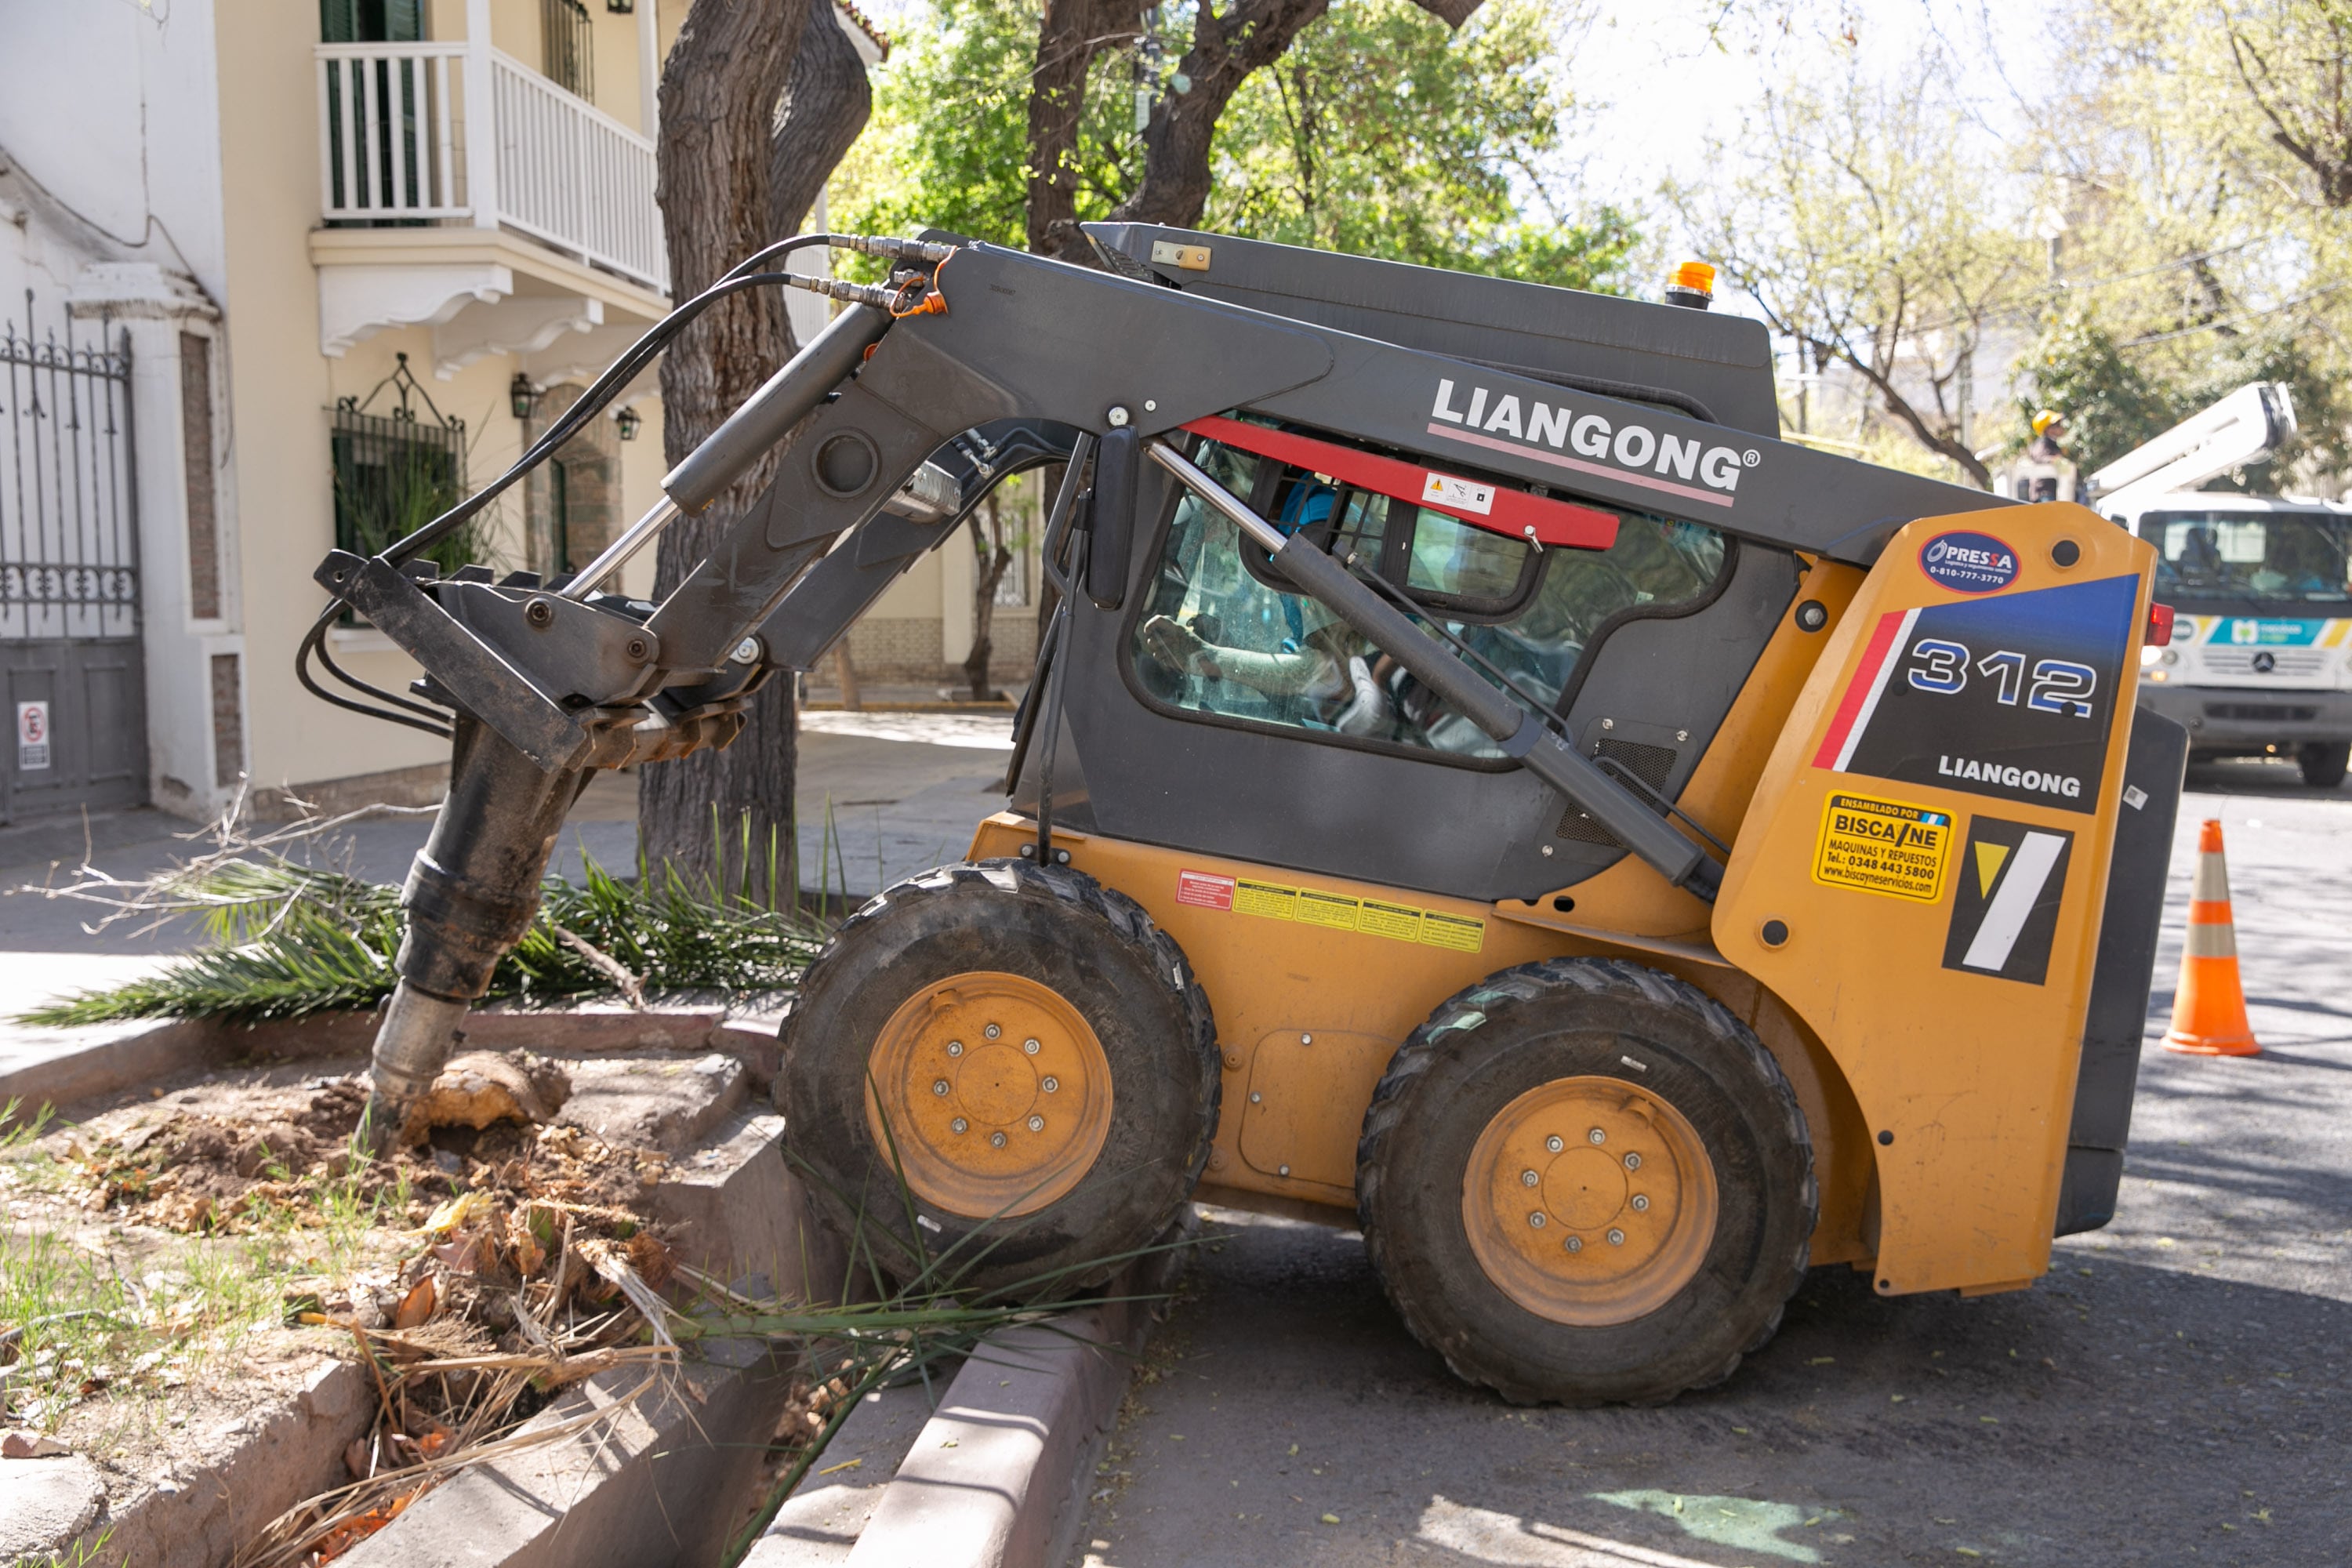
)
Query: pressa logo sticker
[{"x": 1969, "y": 562}]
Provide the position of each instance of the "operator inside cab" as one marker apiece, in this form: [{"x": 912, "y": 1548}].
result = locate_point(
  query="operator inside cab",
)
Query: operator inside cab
[{"x": 1219, "y": 633}]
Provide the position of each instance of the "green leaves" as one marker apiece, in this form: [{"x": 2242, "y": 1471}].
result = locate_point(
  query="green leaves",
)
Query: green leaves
[
  {"x": 1384, "y": 134},
  {"x": 1379, "y": 133},
  {"x": 2116, "y": 396}
]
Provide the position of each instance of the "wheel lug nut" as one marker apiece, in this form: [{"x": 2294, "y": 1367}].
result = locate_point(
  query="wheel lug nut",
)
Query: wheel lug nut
[
  {"x": 959, "y": 1125},
  {"x": 1537, "y": 1219},
  {"x": 1036, "y": 1124},
  {"x": 992, "y": 1031},
  {"x": 1030, "y": 1047},
  {"x": 1554, "y": 1143},
  {"x": 1574, "y": 1243},
  {"x": 955, "y": 1047},
  {"x": 1052, "y": 1084},
  {"x": 997, "y": 1140},
  {"x": 1528, "y": 1178},
  {"x": 938, "y": 1086},
  {"x": 1632, "y": 1161},
  {"x": 1641, "y": 1202},
  {"x": 1596, "y": 1136},
  {"x": 1616, "y": 1238}
]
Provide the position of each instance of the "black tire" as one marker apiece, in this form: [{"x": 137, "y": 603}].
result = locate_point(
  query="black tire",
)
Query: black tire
[
  {"x": 2323, "y": 762},
  {"x": 1582, "y": 1018},
  {"x": 1098, "y": 951}
]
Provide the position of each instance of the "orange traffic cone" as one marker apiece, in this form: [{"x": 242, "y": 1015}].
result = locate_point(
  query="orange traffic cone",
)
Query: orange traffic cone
[{"x": 2208, "y": 1010}]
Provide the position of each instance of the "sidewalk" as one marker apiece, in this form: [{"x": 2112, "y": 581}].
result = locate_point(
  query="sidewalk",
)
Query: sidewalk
[{"x": 880, "y": 796}]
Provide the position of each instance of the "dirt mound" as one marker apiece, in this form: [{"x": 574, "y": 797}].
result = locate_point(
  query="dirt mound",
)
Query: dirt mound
[
  {"x": 203, "y": 1172},
  {"x": 258, "y": 1160}
]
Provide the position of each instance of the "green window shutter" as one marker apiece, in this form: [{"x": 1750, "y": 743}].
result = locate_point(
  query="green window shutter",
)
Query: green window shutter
[{"x": 371, "y": 21}]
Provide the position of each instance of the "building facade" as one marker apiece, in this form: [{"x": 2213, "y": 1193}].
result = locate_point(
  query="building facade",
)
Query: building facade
[{"x": 280, "y": 275}]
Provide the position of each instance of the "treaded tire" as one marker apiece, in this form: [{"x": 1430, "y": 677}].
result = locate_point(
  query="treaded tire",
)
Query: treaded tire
[
  {"x": 1094, "y": 947},
  {"x": 2323, "y": 762},
  {"x": 1566, "y": 1017}
]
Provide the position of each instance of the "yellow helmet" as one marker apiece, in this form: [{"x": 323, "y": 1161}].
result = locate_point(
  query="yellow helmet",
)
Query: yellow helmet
[{"x": 2046, "y": 419}]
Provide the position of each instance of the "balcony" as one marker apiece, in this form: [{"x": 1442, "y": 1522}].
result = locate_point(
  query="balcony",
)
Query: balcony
[
  {"x": 465, "y": 191},
  {"x": 397, "y": 145}
]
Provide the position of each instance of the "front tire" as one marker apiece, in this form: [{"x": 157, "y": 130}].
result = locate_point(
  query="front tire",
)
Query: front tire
[
  {"x": 2323, "y": 762},
  {"x": 1002, "y": 1077},
  {"x": 1583, "y": 1181}
]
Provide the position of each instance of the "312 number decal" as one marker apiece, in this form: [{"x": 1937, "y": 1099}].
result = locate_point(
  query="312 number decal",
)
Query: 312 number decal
[{"x": 2058, "y": 686}]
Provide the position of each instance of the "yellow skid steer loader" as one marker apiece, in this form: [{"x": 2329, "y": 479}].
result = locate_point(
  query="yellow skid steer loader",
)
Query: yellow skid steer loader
[{"x": 1479, "y": 783}]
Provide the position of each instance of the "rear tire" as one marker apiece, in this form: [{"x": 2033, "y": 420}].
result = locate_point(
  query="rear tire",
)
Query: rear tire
[
  {"x": 1637, "y": 1263},
  {"x": 1028, "y": 1052},
  {"x": 2323, "y": 762}
]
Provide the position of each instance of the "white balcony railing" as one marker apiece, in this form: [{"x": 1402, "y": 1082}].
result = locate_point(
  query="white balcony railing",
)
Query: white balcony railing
[
  {"x": 387, "y": 131},
  {"x": 574, "y": 176},
  {"x": 397, "y": 145}
]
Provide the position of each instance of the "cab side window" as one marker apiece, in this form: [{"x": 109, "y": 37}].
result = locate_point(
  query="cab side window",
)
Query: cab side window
[{"x": 1217, "y": 634}]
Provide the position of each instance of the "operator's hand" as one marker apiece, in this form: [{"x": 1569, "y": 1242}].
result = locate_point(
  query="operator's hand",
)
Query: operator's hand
[{"x": 1178, "y": 648}]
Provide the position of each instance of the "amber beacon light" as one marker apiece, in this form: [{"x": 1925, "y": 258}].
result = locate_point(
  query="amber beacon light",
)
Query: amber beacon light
[{"x": 1692, "y": 284}]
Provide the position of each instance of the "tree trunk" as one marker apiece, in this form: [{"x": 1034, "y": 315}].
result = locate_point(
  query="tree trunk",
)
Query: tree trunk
[
  {"x": 825, "y": 103},
  {"x": 1225, "y": 50},
  {"x": 1070, "y": 33},
  {"x": 992, "y": 560},
  {"x": 844, "y": 671},
  {"x": 719, "y": 95}
]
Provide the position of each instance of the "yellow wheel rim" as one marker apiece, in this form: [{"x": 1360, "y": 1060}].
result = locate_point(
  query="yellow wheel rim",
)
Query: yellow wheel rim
[
  {"x": 1588, "y": 1202},
  {"x": 992, "y": 1092}
]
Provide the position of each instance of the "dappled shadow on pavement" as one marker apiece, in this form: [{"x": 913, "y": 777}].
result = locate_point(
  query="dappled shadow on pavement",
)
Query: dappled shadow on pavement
[{"x": 2116, "y": 1413}]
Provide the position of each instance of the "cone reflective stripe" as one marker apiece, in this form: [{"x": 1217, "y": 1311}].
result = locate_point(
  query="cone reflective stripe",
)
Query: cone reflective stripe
[{"x": 2208, "y": 1009}]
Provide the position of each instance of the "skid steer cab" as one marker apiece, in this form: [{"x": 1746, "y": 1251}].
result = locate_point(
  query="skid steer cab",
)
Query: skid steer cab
[{"x": 1478, "y": 786}]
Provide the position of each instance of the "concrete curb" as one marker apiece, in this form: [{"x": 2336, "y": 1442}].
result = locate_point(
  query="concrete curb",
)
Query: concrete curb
[
  {"x": 819, "y": 1524},
  {"x": 664, "y": 1481},
  {"x": 237, "y": 1478},
  {"x": 109, "y": 1058},
  {"x": 88, "y": 1063},
  {"x": 989, "y": 1480}
]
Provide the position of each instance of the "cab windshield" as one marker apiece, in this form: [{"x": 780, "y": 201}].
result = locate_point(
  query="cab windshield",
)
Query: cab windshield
[{"x": 2288, "y": 555}]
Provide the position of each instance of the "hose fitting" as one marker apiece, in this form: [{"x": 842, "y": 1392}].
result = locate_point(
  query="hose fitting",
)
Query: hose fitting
[{"x": 928, "y": 251}]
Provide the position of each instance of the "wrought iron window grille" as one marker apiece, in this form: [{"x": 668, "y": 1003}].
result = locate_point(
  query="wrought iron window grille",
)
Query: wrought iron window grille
[
  {"x": 566, "y": 37},
  {"x": 398, "y": 467}
]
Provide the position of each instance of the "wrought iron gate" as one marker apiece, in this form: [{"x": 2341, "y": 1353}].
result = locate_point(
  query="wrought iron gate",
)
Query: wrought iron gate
[{"x": 71, "y": 682}]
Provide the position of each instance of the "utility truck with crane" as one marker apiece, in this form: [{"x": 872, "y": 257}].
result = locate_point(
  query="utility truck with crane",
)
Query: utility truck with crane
[
  {"x": 2260, "y": 663},
  {"x": 1479, "y": 784}
]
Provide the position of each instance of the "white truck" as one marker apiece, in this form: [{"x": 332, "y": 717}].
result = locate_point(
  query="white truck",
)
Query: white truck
[{"x": 2261, "y": 659}]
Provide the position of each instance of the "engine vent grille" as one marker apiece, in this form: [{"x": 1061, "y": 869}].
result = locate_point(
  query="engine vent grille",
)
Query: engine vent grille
[{"x": 1651, "y": 765}]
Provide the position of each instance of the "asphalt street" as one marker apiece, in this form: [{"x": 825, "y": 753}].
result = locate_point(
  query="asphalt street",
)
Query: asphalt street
[{"x": 2176, "y": 1390}]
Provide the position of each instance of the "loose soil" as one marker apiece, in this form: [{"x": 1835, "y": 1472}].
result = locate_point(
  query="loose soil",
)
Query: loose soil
[{"x": 236, "y": 1238}]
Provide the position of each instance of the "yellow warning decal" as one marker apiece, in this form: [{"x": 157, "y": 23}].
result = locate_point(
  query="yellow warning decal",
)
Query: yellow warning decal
[
  {"x": 1452, "y": 931},
  {"x": 1328, "y": 909},
  {"x": 1398, "y": 921},
  {"x": 1885, "y": 846},
  {"x": 1336, "y": 912},
  {"x": 1275, "y": 903}
]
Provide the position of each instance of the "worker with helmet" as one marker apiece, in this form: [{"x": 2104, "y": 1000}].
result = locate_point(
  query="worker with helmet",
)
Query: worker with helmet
[{"x": 2046, "y": 473}]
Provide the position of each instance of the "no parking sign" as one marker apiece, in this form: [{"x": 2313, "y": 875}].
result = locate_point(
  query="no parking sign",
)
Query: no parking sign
[{"x": 32, "y": 736}]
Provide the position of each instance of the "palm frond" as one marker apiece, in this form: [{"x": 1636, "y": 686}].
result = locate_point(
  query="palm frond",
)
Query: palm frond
[{"x": 290, "y": 940}]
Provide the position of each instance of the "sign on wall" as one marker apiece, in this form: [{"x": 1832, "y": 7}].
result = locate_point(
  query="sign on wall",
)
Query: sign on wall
[{"x": 32, "y": 736}]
